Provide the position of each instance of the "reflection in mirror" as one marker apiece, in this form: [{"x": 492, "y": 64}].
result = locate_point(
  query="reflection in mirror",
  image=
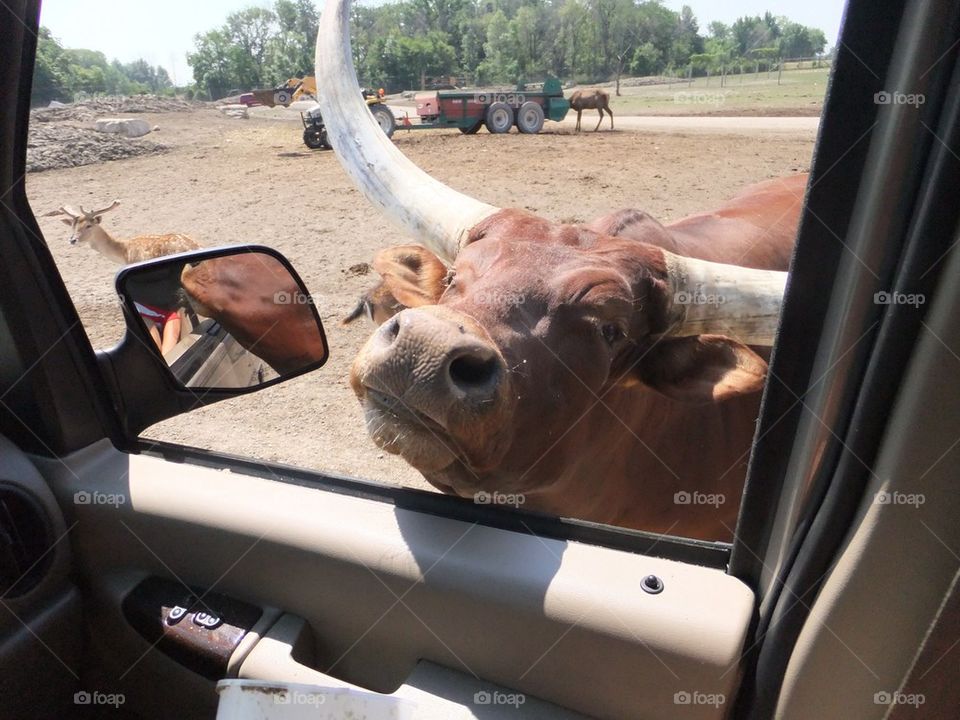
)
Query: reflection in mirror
[{"x": 233, "y": 321}]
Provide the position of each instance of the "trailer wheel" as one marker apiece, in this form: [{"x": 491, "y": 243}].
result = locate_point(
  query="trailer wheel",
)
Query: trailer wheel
[
  {"x": 384, "y": 117},
  {"x": 530, "y": 118},
  {"x": 472, "y": 129},
  {"x": 315, "y": 138},
  {"x": 499, "y": 118}
]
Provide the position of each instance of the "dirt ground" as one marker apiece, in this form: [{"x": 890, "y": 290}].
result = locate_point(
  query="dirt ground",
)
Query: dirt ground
[{"x": 228, "y": 181}]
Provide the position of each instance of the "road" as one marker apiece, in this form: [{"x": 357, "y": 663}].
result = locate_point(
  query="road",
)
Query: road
[{"x": 721, "y": 125}]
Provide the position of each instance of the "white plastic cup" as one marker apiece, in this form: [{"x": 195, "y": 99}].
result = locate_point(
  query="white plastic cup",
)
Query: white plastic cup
[{"x": 263, "y": 700}]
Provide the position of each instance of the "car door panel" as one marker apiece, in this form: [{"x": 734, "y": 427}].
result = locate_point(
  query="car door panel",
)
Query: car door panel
[
  {"x": 382, "y": 588},
  {"x": 40, "y": 622}
]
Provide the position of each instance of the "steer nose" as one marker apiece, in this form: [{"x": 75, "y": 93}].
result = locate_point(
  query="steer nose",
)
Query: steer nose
[
  {"x": 474, "y": 370},
  {"x": 434, "y": 355}
]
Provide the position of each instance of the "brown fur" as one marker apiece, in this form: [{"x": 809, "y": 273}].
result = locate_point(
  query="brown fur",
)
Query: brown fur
[
  {"x": 592, "y": 99},
  {"x": 579, "y": 425},
  {"x": 257, "y": 301}
]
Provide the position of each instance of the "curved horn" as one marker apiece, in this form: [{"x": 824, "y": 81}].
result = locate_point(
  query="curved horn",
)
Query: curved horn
[
  {"x": 109, "y": 207},
  {"x": 68, "y": 210},
  {"x": 433, "y": 213},
  {"x": 715, "y": 298}
]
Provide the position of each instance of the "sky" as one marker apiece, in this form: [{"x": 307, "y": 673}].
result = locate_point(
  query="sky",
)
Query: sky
[{"x": 162, "y": 32}]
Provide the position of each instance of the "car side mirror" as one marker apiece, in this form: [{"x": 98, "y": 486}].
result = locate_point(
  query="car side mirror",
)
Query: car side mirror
[{"x": 207, "y": 325}]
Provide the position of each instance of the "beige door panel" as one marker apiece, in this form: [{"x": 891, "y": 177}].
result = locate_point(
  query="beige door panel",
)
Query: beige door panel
[
  {"x": 383, "y": 588},
  {"x": 285, "y": 655}
]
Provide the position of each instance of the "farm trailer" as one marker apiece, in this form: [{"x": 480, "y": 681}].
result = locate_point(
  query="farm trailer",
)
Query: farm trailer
[{"x": 499, "y": 110}]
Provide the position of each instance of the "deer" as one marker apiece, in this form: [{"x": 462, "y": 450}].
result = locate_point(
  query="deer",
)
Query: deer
[
  {"x": 161, "y": 317},
  {"x": 86, "y": 228},
  {"x": 587, "y": 99}
]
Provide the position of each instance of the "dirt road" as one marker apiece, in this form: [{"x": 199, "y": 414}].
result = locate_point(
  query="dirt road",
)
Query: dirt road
[{"x": 234, "y": 181}]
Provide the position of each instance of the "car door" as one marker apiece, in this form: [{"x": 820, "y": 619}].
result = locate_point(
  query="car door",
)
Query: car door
[{"x": 141, "y": 573}]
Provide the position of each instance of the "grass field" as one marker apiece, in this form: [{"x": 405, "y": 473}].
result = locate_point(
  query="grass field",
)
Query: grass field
[{"x": 800, "y": 92}]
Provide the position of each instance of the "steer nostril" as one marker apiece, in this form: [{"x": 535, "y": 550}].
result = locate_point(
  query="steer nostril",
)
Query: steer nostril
[
  {"x": 391, "y": 329},
  {"x": 472, "y": 372}
]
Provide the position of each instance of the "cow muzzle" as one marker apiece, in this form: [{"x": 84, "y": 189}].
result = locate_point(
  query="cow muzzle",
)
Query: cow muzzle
[{"x": 434, "y": 388}]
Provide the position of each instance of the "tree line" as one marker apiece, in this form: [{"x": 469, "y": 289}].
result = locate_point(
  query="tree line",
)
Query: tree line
[
  {"x": 409, "y": 43},
  {"x": 63, "y": 74},
  {"x": 401, "y": 45}
]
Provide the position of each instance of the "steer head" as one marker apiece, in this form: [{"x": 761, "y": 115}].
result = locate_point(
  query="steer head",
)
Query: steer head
[{"x": 532, "y": 324}]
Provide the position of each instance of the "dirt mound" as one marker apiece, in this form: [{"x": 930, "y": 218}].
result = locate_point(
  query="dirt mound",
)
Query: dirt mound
[
  {"x": 60, "y": 145},
  {"x": 94, "y": 108}
]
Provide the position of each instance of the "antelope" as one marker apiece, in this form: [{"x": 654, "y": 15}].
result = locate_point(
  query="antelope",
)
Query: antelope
[
  {"x": 86, "y": 228},
  {"x": 587, "y": 99}
]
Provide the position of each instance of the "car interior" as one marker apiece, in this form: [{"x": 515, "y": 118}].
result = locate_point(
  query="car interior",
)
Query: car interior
[{"x": 142, "y": 574}]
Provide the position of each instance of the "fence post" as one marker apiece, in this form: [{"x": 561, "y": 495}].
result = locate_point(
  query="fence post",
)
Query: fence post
[{"x": 779, "y": 72}]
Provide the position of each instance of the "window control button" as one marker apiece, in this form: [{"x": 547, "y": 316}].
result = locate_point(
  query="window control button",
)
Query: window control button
[
  {"x": 176, "y": 614},
  {"x": 206, "y": 620}
]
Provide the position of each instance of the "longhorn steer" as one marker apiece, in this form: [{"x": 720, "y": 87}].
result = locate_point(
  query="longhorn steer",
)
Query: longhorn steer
[{"x": 608, "y": 372}]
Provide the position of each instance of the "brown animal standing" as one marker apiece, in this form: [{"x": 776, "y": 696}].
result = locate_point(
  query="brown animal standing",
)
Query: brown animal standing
[
  {"x": 591, "y": 99},
  {"x": 86, "y": 228}
]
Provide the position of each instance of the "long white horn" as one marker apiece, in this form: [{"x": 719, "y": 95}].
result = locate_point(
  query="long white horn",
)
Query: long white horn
[
  {"x": 715, "y": 298},
  {"x": 434, "y": 214}
]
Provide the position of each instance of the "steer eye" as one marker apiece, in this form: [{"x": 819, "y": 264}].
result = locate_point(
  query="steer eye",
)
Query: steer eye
[
  {"x": 449, "y": 278},
  {"x": 612, "y": 333}
]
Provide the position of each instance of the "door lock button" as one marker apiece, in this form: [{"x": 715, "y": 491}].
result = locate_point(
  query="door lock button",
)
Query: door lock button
[
  {"x": 176, "y": 614},
  {"x": 206, "y": 620}
]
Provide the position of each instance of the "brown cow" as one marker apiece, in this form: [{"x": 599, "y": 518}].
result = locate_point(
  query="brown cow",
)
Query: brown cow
[
  {"x": 599, "y": 100},
  {"x": 256, "y": 299},
  {"x": 610, "y": 373}
]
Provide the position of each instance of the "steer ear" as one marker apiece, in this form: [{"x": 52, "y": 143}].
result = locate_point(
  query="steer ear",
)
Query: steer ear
[
  {"x": 411, "y": 273},
  {"x": 702, "y": 368}
]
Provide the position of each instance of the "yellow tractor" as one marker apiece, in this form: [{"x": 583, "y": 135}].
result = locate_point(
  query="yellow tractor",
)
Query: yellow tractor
[{"x": 314, "y": 131}]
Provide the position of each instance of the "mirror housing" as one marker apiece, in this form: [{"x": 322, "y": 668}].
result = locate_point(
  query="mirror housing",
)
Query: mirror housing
[{"x": 230, "y": 321}]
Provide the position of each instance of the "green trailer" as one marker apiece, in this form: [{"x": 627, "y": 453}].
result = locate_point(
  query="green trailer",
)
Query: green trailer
[{"x": 497, "y": 109}]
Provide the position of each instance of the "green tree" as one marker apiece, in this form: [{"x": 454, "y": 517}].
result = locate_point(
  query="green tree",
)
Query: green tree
[
  {"x": 212, "y": 63},
  {"x": 51, "y": 71},
  {"x": 250, "y": 31}
]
